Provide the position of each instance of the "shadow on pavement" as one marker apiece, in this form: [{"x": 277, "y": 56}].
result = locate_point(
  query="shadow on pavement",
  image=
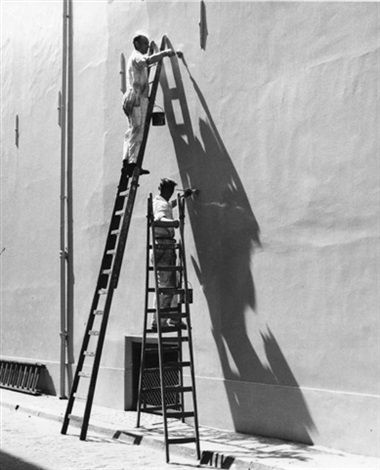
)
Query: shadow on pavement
[{"x": 10, "y": 462}]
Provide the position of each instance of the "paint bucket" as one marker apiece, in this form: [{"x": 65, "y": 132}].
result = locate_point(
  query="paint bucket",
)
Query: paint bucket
[{"x": 158, "y": 117}]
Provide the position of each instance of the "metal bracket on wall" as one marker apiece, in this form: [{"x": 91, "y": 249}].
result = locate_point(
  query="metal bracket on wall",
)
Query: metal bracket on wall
[
  {"x": 17, "y": 131},
  {"x": 123, "y": 85},
  {"x": 59, "y": 108},
  {"x": 203, "y": 31}
]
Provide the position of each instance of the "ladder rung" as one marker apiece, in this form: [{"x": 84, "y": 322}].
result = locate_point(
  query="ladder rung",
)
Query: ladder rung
[
  {"x": 157, "y": 410},
  {"x": 181, "y": 440},
  {"x": 152, "y": 408},
  {"x": 176, "y": 365},
  {"x": 166, "y": 329},
  {"x": 85, "y": 375},
  {"x": 159, "y": 223},
  {"x": 166, "y": 310},
  {"x": 79, "y": 397},
  {"x": 106, "y": 271},
  {"x": 169, "y": 365},
  {"x": 110, "y": 252},
  {"x": 115, "y": 232},
  {"x": 171, "y": 388},
  {"x": 168, "y": 347},
  {"x": 121, "y": 212},
  {"x": 98, "y": 312},
  {"x": 89, "y": 353},
  {"x": 170, "y": 290},
  {"x": 180, "y": 414},
  {"x": 166, "y": 268},
  {"x": 178, "y": 389},
  {"x": 166, "y": 246},
  {"x": 94, "y": 332},
  {"x": 167, "y": 290},
  {"x": 173, "y": 316},
  {"x": 173, "y": 339},
  {"x": 102, "y": 291}
]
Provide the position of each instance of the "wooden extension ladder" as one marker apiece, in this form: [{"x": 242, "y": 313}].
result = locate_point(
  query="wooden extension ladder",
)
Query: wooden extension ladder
[
  {"x": 170, "y": 339},
  {"x": 91, "y": 350}
]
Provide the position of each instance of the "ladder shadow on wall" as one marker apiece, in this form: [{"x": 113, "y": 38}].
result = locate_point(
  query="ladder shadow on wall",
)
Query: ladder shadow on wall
[{"x": 226, "y": 234}]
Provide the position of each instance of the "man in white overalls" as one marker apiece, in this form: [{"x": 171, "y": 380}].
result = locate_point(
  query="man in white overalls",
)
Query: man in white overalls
[
  {"x": 136, "y": 97},
  {"x": 163, "y": 212}
]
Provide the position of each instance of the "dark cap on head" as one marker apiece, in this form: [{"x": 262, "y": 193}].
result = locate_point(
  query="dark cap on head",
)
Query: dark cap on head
[
  {"x": 138, "y": 38},
  {"x": 166, "y": 182}
]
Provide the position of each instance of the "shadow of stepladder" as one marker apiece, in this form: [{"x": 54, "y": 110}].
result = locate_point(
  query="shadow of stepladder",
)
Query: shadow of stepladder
[
  {"x": 226, "y": 234},
  {"x": 216, "y": 460}
]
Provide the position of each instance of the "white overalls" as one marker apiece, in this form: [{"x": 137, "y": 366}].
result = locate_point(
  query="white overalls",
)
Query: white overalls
[
  {"x": 167, "y": 256},
  {"x": 136, "y": 101}
]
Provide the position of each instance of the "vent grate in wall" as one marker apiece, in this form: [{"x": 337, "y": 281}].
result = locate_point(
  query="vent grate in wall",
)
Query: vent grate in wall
[
  {"x": 21, "y": 376},
  {"x": 151, "y": 380},
  {"x": 151, "y": 400}
]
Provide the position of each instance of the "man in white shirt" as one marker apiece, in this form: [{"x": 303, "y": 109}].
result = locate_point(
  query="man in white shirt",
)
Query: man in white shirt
[
  {"x": 136, "y": 98},
  {"x": 163, "y": 212}
]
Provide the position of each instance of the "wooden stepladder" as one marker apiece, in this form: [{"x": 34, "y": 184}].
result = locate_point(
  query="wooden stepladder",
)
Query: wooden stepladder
[
  {"x": 171, "y": 338},
  {"x": 92, "y": 346}
]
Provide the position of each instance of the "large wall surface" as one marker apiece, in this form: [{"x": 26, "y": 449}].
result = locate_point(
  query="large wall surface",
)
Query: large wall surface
[{"x": 276, "y": 122}]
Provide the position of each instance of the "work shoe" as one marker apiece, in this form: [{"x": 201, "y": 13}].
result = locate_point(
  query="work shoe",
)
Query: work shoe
[
  {"x": 130, "y": 168},
  {"x": 154, "y": 326},
  {"x": 177, "y": 324}
]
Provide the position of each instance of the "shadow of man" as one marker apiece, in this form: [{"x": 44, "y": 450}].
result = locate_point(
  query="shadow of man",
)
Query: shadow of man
[{"x": 226, "y": 234}]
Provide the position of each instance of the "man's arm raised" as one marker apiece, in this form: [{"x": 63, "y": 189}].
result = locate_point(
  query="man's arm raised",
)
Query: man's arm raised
[{"x": 152, "y": 59}]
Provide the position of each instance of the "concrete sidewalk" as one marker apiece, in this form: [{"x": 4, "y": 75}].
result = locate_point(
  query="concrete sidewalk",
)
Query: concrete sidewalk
[{"x": 220, "y": 449}]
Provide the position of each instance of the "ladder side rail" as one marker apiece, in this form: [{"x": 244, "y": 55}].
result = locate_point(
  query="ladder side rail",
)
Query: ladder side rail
[
  {"x": 160, "y": 345},
  {"x": 81, "y": 359},
  {"x": 96, "y": 364},
  {"x": 126, "y": 221},
  {"x": 152, "y": 98},
  {"x": 180, "y": 358},
  {"x": 135, "y": 175},
  {"x": 181, "y": 209},
  {"x": 115, "y": 270},
  {"x": 143, "y": 343},
  {"x": 121, "y": 240},
  {"x": 89, "y": 324},
  {"x": 104, "y": 321},
  {"x": 180, "y": 284},
  {"x": 109, "y": 235}
]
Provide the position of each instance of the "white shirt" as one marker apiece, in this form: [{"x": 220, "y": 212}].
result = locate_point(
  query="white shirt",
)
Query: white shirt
[
  {"x": 163, "y": 209},
  {"x": 137, "y": 73},
  {"x": 137, "y": 81}
]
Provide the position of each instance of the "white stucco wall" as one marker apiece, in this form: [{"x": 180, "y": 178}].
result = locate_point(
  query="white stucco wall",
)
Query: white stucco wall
[{"x": 281, "y": 137}]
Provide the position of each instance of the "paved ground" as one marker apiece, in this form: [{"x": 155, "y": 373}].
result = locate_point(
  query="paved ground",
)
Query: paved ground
[
  {"x": 112, "y": 438},
  {"x": 29, "y": 443}
]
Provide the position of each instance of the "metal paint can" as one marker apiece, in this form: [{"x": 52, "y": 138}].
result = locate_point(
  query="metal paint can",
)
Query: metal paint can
[{"x": 158, "y": 118}]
